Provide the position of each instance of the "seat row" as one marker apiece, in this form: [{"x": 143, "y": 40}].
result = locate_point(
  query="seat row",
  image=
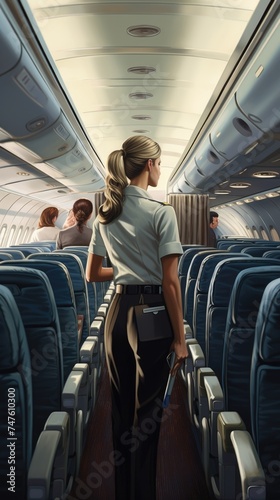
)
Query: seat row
[
  {"x": 232, "y": 354},
  {"x": 50, "y": 372}
]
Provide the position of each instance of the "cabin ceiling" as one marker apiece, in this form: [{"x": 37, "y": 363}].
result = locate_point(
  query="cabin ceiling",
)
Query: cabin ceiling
[{"x": 160, "y": 69}]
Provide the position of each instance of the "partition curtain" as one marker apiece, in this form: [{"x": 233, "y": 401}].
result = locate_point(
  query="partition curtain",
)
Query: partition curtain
[{"x": 192, "y": 212}]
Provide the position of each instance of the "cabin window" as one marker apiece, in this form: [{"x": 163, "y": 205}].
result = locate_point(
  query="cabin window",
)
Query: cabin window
[
  {"x": 11, "y": 235},
  {"x": 3, "y": 233},
  {"x": 26, "y": 232},
  {"x": 273, "y": 233},
  {"x": 19, "y": 233},
  {"x": 249, "y": 231},
  {"x": 264, "y": 233},
  {"x": 255, "y": 232}
]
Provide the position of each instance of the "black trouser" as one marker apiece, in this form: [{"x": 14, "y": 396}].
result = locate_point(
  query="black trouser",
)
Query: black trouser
[{"x": 136, "y": 446}]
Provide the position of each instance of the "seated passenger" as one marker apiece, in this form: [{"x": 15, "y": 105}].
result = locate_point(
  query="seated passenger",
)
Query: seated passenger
[
  {"x": 78, "y": 234},
  {"x": 47, "y": 230}
]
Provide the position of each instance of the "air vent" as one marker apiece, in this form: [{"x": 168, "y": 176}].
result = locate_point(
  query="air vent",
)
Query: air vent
[
  {"x": 222, "y": 191},
  {"x": 139, "y": 131},
  {"x": 141, "y": 117},
  {"x": 265, "y": 174},
  {"x": 240, "y": 185},
  {"x": 140, "y": 95},
  {"x": 143, "y": 30},
  {"x": 141, "y": 70}
]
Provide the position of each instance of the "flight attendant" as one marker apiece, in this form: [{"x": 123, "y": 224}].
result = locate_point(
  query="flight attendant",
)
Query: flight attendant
[{"x": 140, "y": 236}]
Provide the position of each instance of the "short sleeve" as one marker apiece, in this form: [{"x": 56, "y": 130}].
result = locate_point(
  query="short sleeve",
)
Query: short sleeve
[
  {"x": 167, "y": 231},
  {"x": 96, "y": 245}
]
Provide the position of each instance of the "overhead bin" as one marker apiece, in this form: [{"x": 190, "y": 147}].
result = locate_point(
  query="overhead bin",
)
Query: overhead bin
[
  {"x": 233, "y": 133},
  {"x": 193, "y": 175},
  {"x": 10, "y": 45},
  {"x": 258, "y": 93},
  {"x": 28, "y": 106},
  {"x": 207, "y": 159},
  {"x": 53, "y": 142},
  {"x": 183, "y": 186},
  {"x": 74, "y": 162}
]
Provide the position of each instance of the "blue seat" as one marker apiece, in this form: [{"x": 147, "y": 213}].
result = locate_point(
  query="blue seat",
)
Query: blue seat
[
  {"x": 5, "y": 256},
  {"x": 20, "y": 453},
  {"x": 61, "y": 283},
  {"x": 257, "y": 250},
  {"x": 34, "y": 296},
  {"x": 244, "y": 303},
  {"x": 76, "y": 271},
  {"x": 16, "y": 254},
  {"x": 26, "y": 249},
  {"x": 206, "y": 271},
  {"x": 272, "y": 254},
  {"x": 219, "y": 293},
  {"x": 265, "y": 383},
  {"x": 92, "y": 289},
  {"x": 183, "y": 266},
  {"x": 191, "y": 277}
]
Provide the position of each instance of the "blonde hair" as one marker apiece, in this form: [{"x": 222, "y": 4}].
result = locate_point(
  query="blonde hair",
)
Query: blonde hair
[{"x": 123, "y": 164}]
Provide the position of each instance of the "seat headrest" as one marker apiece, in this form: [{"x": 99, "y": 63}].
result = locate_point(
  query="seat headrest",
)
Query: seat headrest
[{"x": 267, "y": 337}]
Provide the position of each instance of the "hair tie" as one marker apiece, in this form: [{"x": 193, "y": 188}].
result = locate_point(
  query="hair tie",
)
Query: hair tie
[{"x": 123, "y": 152}]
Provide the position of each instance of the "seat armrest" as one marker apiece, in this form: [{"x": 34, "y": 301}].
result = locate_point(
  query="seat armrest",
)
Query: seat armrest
[
  {"x": 89, "y": 353},
  {"x": 41, "y": 469},
  {"x": 196, "y": 357},
  {"x": 74, "y": 390},
  {"x": 249, "y": 465}
]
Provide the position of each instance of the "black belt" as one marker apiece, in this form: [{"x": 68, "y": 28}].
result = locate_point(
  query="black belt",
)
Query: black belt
[{"x": 138, "y": 289}]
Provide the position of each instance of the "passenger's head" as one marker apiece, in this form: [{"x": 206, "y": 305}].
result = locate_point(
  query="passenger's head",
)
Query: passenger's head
[
  {"x": 82, "y": 210},
  {"x": 70, "y": 220},
  {"x": 48, "y": 217},
  {"x": 137, "y": 154},
  {"x": 214, "y": 219}
]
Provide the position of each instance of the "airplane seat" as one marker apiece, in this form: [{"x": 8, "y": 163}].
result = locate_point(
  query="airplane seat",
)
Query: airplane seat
[
  {"x": 26, "y": 249},
  {"x": 76, "y": 271},
  {"x": 257, "y": 250},
  {"x": 34, "y": 296},
  {"x": 24, "y": 463},
  {"x": 16, "y": 254},
  {"x": 220, "y": 289},
  {"x": 191, "y": 277},
  {"x": 92, "y": 293},
  {"x": 272, "y": 254},
  {"x": 183, "y": 266},
  {"x": 233, "y": 391},
  {"x": 264, "y": 386},
  {"x": 15, "y": 384},
  {"x": 204, "y": 266},
  {"x": 73, "y": 353},
  {"x": 5, "y": 256}
]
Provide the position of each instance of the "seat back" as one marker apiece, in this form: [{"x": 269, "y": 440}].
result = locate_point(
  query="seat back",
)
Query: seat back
[
  {"x": 27, "y": 250},
  {"x": 272, "y": 254},
  {"x": 204, "y": 276},
  {"x": 16, "y": 415},
  {"x": 61, "y": 283},
  {"x": 76, "y": 271},
  {"x": 242, "y": 313},
  {"x": 16, "y": 254},
  {"x": 218, "y": 298},
  {"x": 91, "y": 287},
  {"x": 265, "y": 384},
  {"x": 33, "y": 294},
  {"x": 5, "y": 256},
  {"x": 192, "y": 273},
  {"x": 257, "y": 250},
  {"x": 183, "y": 266}
]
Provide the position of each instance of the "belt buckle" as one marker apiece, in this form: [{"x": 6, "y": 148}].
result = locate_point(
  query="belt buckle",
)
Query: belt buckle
[{"x": 148, "y": 289}]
